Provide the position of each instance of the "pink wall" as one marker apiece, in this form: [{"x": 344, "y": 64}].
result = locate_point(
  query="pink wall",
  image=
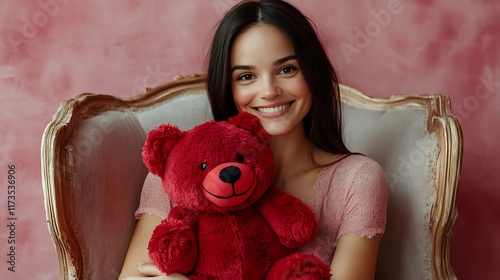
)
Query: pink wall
[{"x": 52, "y": 50}]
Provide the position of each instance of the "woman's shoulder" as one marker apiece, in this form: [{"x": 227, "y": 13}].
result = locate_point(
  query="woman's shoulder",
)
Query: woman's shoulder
[
  {"x": 353, "y": 161},
  {"x": 359, "y": 162},
  {"x": 355, "y": 168}
]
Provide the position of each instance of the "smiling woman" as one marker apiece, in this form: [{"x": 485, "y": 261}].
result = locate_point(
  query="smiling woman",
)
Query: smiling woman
[
  {"x": 267, "y": 80},
  {"x": 267, "y": 60}
]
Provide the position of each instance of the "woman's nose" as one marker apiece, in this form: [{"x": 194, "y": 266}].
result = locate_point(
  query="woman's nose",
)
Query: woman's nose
[{"x": 270, "y": 89}]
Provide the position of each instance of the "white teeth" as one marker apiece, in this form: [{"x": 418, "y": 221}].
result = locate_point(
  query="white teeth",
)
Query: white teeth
[{"x": 274, "y": 109}]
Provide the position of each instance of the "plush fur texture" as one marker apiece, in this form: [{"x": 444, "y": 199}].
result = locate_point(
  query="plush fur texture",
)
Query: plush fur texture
[{"x": 228, "y": 222}]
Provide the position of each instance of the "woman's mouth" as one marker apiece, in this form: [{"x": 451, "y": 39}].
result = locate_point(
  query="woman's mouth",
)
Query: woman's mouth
[{"x": 270, "y": 110}]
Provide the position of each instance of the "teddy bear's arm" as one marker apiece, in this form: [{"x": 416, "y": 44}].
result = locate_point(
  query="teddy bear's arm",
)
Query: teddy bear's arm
[
  {"x": 292, "y": 220},
  {"x": 173, "y": 247}
]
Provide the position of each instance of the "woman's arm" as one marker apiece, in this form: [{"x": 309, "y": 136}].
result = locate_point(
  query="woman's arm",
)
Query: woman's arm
[
  {"x": 364, "y": 214},
  {"x": 137, "y": 250},
  {"x": 137, "y": 263},
  {"x": 355, "y": 257}
]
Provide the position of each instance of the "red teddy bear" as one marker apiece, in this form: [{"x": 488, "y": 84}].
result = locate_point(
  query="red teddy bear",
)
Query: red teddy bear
[{"x": 228, "y": 222}]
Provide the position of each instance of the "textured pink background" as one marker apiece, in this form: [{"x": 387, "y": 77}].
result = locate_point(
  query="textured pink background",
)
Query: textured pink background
[{"x": 50, "y": 52}]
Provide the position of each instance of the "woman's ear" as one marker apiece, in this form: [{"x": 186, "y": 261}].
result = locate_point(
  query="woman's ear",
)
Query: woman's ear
[{"x": 158, "y": 145}]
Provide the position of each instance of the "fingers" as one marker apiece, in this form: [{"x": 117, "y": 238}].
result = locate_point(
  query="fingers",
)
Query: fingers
[
  {"x": 176, "y": 276},
  {"x": 150, "y": 272},
  {"x": 163, "y": 277},
  {"x": 148, "y": 269}
]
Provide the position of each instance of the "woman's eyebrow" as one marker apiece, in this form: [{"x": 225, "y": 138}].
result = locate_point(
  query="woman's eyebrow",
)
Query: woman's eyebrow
[
  {"x": 242, "y": 67},
  {"x": 285, "y": 59},
  {"x": 250, "y": 67}
]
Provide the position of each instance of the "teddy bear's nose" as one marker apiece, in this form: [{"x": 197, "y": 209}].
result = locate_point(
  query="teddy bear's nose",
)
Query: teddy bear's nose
[{"x": 230, "y": 174}]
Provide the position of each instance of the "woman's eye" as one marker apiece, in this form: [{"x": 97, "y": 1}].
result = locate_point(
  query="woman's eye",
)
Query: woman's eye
[
  {"x": 245, "y": 77},
  {"x": 288, "y": 70}
]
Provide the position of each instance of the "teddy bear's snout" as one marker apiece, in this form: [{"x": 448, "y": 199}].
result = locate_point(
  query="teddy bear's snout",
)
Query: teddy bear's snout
[
  {"x": 229, "y": 184},
  {"x": 230, "y": 174}
]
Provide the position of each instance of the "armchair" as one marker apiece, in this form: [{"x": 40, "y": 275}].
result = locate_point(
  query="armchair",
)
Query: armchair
[{"x": 92, "y": 173}]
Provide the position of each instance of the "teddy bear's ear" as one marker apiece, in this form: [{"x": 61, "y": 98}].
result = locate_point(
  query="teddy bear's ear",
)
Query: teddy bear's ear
[
  {"x": 159, "y": 143},
  {"x": 251, "y": 123}
]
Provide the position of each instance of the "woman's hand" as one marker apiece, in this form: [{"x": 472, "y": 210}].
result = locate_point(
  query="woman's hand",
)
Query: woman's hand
[{"x": 151, "y": 272}]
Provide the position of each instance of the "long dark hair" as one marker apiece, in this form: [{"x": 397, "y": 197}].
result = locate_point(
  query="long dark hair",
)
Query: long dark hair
[{"x": 323, "y": 122}]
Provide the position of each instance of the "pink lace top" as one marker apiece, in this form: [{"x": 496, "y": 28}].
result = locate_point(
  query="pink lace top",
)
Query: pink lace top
[{"x": 348, "y": 197}]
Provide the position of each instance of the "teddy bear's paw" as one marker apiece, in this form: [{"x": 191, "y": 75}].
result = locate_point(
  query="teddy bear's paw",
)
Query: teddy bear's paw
[
  {"x": 303, "y": 230},
  {"x": 173, "y": 248},
  {"x": 297, "y": 232},
  {"x": 299, "y": 266}
]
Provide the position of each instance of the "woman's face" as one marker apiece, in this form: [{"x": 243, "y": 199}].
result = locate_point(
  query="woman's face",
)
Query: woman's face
[{"x": 267, "y": 81}]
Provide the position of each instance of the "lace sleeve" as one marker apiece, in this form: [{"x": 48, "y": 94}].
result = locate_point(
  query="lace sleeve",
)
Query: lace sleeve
[
  {"x": 154, "y": 201},
  {"x": 365, "y": 200}
]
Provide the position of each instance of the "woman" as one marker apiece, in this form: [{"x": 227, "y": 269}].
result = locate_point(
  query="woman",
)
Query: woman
[{"x": 266, "y": 59}]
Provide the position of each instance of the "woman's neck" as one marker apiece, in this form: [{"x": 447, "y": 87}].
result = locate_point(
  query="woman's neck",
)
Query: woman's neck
[{"x": 292, "y": 153}]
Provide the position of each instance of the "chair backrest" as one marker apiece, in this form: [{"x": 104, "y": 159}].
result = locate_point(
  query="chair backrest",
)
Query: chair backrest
[
  {"x": 418, "y": 142},
  {"x": 92, "y": 173}
]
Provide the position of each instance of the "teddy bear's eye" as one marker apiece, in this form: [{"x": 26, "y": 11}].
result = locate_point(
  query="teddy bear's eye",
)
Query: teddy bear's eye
[
  {"x": 203, "y": 166},
  {"x": 239, "y": 158}
]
